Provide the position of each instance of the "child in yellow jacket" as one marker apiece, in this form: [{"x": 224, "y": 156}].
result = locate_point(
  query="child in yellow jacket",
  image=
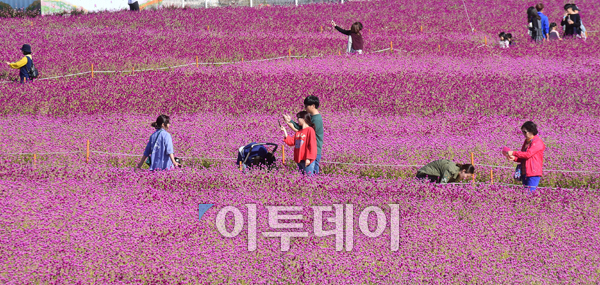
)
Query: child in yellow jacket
[{"x": 24, "y": 65}]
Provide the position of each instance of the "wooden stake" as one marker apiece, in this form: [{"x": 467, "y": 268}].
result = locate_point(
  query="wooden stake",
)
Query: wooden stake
[
  {"x": 87, "y": 152},
  {"x": 290, "y": 53},
  {"x": 321, "y": 29},
  {"x": 242, "y": 59},
  {"x": 421, "y": 28},
  {"x": 391, "y": 46},
  {"x": 485, "y": 40},
  {"x": 196, "y": 62},
  {"x": 492, "y": 175},
  {"x": 439, "y": 48},
  {"x": 473, "y": 163},
  {"x": 132, "y": 68},
  {"x": 339, "y": 52},
  {"x": 34, "y": 159},
  {"x": 241, "y": 166},
  {"x": 283, "y": 154},
  {"x": 92, "y": 70}
]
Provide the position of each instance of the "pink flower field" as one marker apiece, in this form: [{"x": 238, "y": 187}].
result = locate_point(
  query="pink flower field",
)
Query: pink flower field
[{"x": 443, "y": 92}]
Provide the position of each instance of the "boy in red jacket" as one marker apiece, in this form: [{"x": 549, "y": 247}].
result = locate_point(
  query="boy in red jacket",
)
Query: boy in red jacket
[
  {"x": 304, "y": 142},
  {"x": 531, "y": 156}
]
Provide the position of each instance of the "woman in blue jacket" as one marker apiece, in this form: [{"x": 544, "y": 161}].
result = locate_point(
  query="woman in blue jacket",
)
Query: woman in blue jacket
[
  {"x": 24, "y": 65},
  {"x": 160, "y": 146}
]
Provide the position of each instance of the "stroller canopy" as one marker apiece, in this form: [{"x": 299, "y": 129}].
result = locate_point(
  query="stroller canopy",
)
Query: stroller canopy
[{"x": 257, "y": 150}]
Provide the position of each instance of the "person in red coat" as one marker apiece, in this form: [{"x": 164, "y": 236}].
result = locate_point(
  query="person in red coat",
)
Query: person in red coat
[
  {"x": 531, "y": 156},
  {"x": 304, "y": 143}
]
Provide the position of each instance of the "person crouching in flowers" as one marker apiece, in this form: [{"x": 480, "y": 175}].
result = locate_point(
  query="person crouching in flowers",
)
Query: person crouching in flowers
[
  {"x": 160, "y": 146},
  {"x": 304, "y": 142},
  {"x": 446, "y": 171}
]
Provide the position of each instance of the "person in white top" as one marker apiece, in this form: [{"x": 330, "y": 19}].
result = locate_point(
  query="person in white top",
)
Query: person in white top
[
  {"x": 133, "y": 5},
  {"x": 503, "y": 40}
]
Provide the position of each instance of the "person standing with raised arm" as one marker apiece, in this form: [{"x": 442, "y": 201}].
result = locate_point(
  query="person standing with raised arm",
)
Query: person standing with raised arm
[
  {"x": 24, "y": 65},
  {"x": 304, "y": 142},
  {"x": 311, "y": 105},
  {"x": 355, "y": 38}
]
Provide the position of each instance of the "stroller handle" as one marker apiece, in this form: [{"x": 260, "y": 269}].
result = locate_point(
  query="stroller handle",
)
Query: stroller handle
[{"x": 251, "y": 147}]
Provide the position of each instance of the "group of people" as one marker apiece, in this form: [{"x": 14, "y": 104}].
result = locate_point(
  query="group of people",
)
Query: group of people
[
  {"x": 528, "y": 171},
  {"x": 540, "y": 29},
  {"x": 308, "y": 144}
]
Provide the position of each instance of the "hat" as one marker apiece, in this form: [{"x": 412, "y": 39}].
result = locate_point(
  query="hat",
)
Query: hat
[
  {"x": 26, "y": 48},
  {"x": 574, "y": 7}
]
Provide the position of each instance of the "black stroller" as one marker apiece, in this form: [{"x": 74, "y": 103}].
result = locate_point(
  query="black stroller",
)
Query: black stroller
[{"x": 256, "y": 155}]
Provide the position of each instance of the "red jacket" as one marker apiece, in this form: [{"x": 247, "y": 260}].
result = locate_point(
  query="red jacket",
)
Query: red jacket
[
  {"x": 531, "y": 158},
  {"x": 305, "y": 145}
]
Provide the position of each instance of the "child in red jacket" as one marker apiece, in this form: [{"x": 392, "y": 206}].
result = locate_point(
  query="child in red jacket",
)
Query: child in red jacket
[{"x": 304, "y": 142}]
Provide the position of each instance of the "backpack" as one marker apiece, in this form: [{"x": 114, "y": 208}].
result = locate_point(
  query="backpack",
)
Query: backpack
[{"x": 33, "y": 72}]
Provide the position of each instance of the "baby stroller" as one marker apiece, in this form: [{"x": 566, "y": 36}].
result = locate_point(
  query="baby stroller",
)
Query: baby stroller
[{"x": 256, "y": 155}]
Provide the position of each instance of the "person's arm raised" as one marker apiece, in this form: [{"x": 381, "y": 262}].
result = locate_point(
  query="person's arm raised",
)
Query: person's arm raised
[{"x": 293, "y": 125}]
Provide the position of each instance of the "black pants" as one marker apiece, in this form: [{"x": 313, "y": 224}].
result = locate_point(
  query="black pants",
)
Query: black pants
[
  {"x": 431, "y": 178},
  {"x": 134, "y": 7}
]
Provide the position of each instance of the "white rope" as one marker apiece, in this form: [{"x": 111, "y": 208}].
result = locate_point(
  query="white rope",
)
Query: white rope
[
  {"x": 324, "y": 161},
  {"x": 178, "y": 66},
  {"x": 371, "y": 164},
  {"x": 42, "y": 153},
  {"x": 114, "y": 153},
  {"x": 545, "y": 170},
  {"x": 465, "y": 5}
]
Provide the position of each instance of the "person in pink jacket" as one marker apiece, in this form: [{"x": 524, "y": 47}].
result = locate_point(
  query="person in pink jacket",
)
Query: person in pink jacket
[{"x": 531, "y": 156}]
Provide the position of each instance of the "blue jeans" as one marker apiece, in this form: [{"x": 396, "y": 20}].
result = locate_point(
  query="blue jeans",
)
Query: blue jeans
[
  {"x": 531, "y": 183},
  {"x": 307, "y": 169},
  {"x": 316, "y": 163}
]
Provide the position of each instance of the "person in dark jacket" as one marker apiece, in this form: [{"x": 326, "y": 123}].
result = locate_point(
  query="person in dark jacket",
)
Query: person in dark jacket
[
  {"x": 24, "y": 65},
  {"x": 446, "y": 171},
  {"x": 531, "y": 156},
  {"x": 133, "y": 5},
  {"x": 571, "y": 22},
  {"x": 355, "y": 38},
  {"x": 535, "y": 25}
]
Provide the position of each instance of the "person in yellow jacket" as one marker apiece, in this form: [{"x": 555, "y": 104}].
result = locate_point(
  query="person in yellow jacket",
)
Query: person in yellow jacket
[{"x": 24, "y": 64}]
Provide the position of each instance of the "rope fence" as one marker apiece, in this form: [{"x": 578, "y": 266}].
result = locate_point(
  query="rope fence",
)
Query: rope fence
[
  {"x": 324, "y": 161},
  {"x": 92, "y": 71}
]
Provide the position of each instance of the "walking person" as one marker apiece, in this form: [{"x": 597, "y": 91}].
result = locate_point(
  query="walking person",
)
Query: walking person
[
  {"x": 446, "y": 171},
  {"x": 311, "y": 105},
  {"x": 24, "y": 65},
  {"x": 304, "y": 142},
  {"x": 355, "y": 38},
  {"x": 160, "y": 146},
  {"x": 544, "y": 21},
  {"x": 531, "y": 157},
  {"x": 133, "y": 5},
  {"x": 535, "y": 25}
]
